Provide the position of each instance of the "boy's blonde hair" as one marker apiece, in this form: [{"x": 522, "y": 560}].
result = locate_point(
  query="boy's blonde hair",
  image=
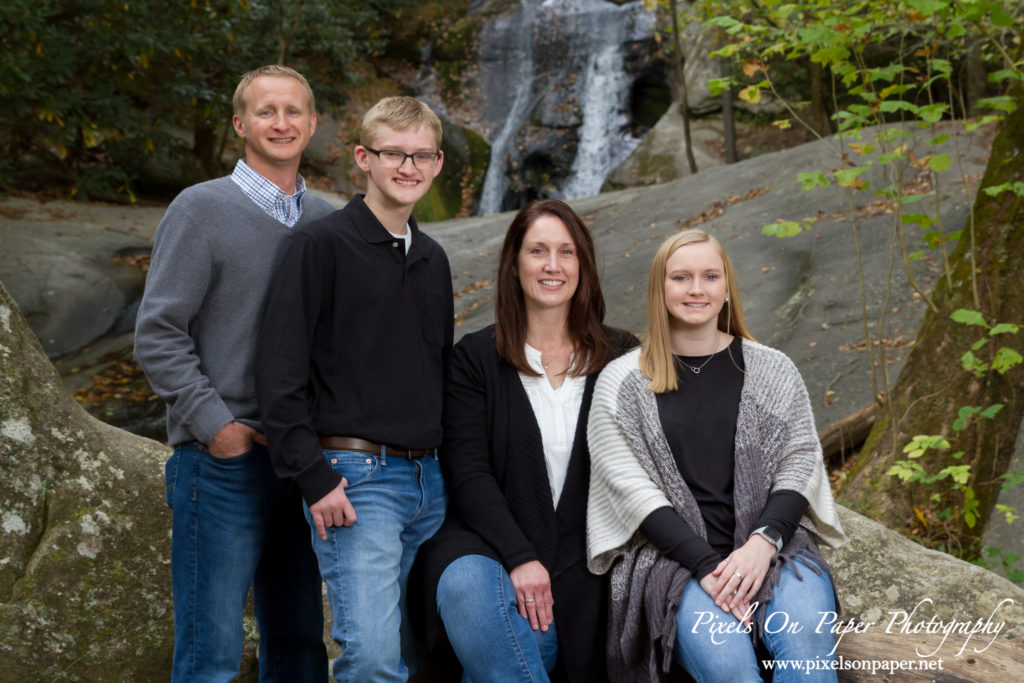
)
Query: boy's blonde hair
[
  {"x": 399, "y": 113},
  {"x": 238, "y": 101},
  {"x": 656, "y": 361}
]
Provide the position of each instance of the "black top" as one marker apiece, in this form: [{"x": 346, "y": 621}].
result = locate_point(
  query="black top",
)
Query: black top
[
  {"x": 500, "y": 503},
  {"x": 699, "y": 421},
  {"x": 355, "y": 342}
]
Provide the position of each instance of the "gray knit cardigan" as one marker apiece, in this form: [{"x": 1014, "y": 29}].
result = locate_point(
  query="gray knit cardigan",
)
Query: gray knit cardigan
[{"x": 634, "y": 473}]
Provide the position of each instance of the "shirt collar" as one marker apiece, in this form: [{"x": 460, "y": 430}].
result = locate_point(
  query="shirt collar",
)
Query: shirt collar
[{"x": 269, "y": 197}]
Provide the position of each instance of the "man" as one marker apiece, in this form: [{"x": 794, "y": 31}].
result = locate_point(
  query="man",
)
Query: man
[
  {"x": 350, "y": 374},
  {"x": 235, "y": 523}
]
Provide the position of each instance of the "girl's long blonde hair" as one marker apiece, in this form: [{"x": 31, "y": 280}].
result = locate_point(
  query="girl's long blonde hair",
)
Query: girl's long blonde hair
[{"x": 656, "y": 360}]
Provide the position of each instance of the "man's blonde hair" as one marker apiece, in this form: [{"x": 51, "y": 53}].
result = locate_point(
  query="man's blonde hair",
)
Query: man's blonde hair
[
  {"x": 238, "y": 101},
  {"x": 656, "y": 361},
  {"x": 399, "y": 113}
]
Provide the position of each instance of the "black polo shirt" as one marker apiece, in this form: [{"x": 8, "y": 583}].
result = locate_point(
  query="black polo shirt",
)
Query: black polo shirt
[{"x": 355, "y": 342}]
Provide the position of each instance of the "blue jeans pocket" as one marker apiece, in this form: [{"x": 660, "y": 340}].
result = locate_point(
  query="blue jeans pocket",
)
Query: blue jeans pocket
[
  {"x": 171, "y": 476},
  {"x": 229, "y": 461},
  {"x": 354, "y": 466}
]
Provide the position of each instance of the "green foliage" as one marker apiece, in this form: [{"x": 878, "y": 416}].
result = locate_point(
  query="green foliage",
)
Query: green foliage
[
  {"x": 997, "y": 558},
  {"x": 893, "y": 62},
  {"x": 91, "y": 85}
]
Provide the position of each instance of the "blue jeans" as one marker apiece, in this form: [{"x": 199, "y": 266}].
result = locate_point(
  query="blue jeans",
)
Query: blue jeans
[
  {"x": 399, "y": 504},
  {"x": 477, "y": 603},
  {"x": 236, "y": 524},
  {"x": 711, "y": 647}
]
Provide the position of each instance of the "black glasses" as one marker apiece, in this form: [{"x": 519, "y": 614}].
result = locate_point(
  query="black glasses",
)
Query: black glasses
[{"x": 393, "y": 158}]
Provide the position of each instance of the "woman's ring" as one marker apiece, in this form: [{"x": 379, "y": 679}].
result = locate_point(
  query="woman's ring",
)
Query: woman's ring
[
  {"x": 529, "y": 600},
  {"x": 738, "y": 575}
]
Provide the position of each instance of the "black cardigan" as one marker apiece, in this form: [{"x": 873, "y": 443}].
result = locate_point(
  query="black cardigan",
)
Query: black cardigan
[{"x": 500, "y": 503}]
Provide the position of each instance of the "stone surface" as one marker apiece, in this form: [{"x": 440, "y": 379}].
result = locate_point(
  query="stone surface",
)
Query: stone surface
[
  {"x": 799, "y": 294},
  {"x": 661, "y": 156},
  {"x": 905, "y": 594},
  {"x": 85, "y": 537},
  {"x": 1008, "y": 537}
]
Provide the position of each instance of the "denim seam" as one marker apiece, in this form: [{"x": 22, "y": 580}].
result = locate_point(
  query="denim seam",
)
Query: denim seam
[{"x": 508, "y": 623}]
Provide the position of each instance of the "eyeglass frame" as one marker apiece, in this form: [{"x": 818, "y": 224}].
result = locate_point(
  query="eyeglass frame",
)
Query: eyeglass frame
[{"x": 377, "y": 152}]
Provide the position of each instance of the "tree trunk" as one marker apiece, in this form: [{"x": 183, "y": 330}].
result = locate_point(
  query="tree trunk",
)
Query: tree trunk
[
  {"x": 204, "y": 146},
  {"x": 679, "y": 84},
  {"x": 932, "y": 386},
  {"x": 819, "y": 116}
]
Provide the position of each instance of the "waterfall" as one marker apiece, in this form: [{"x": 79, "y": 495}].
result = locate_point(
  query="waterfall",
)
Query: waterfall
[
  {"x": 571, "y": 55},
  {"x": 604, "y": 138},
  {"x": 520, "y": 34}
]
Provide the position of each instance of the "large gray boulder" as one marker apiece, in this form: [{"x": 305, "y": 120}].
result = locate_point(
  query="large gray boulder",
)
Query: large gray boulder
[
  {"x": 85, "y": 588},
  {"x": 906, "y": 598}
]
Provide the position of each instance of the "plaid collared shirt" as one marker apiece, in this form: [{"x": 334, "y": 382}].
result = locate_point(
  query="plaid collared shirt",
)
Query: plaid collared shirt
[{"x": 268, "y": 196}]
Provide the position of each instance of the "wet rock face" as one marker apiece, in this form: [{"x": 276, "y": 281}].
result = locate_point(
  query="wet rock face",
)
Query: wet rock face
[
  {"x": 552, "y": 85},
  {"x": 84, "y": 531}
]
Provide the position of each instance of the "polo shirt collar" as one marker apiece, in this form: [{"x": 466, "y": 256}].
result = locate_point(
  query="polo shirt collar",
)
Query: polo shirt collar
[{"x": 373, "y": 231}]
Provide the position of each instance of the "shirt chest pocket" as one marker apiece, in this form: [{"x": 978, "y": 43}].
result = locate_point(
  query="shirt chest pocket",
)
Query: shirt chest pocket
[{"x": 432, "y": 309}]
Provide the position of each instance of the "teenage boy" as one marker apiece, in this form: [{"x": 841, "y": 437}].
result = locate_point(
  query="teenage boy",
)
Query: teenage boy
[
  {"x": 235, "y": 523},
  {"x": 350, "y": 372}
]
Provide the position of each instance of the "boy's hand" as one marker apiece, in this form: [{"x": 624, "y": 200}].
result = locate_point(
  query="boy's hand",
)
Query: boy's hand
[{"x": 334, "y": 509}]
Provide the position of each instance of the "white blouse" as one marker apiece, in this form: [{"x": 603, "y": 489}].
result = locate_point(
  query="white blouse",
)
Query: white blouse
[{"x": 557, "y": 411}]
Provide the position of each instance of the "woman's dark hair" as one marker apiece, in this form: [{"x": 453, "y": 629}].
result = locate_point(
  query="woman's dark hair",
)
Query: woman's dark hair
[{"x": 586, "y": 309}]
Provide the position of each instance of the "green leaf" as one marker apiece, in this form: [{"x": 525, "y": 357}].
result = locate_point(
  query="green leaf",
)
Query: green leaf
[
  {"x": 928, "y": 7},
  {"x": 955, "y": 31},
  {"x": 984, "y": 120},
  {"x": 1000, "y": 18},
  {"x": 915, "y": 256},
  {"x": 972, "y": 363},
  {"x": 1012, "y": 479},
  {"x": 719, "y": 85},
  {"x": 890, "y": 106},
  {"x": 1003, "y": 74},
  {"x": 939, "y": 163},
  {"x": 938, "y": 139},
  {"x": 992, "y": 410},
  {"x": 968, "y": 317},
  {"x": 1004, "y": 328},
  {"x": 964, "y": 413},
  {"x": 1005, "y": 359},
  {"x": 922, "y": 219},
  {"x": 848, "y": 176},
  {"x": 932, "y": 113},
  {"x": 813, "y": 180},
  {"x": 1000, "y": 103},
  {"x": 885, "y": 73},
  {"x": 830, "y": 55},
  {"x": 996, "y": 190},
  {"x": 782, "y": 229},
  {"x": 978, "y": 344}
]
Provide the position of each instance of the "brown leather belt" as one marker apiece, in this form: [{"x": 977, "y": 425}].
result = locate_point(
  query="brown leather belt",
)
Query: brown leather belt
[{"x": 351, "y": 443}]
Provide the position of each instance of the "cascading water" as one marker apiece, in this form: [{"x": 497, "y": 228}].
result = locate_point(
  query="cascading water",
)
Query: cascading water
[
  {"x": 570, "y": 55},
  {"x": 604, "y": 138},
  {"x": 520, "y": 32}
]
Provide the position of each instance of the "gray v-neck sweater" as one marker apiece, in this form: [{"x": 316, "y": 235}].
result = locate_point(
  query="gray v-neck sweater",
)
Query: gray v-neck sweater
[{"x": 195, "y": 335}]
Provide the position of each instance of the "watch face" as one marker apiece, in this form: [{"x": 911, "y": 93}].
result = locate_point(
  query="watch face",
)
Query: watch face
[{"x": 774, "y": 535}]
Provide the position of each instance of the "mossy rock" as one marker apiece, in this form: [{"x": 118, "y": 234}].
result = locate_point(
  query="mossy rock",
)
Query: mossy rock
[
  {"x": 85, "y": 589},
  {"x": 456, "y": 191}
]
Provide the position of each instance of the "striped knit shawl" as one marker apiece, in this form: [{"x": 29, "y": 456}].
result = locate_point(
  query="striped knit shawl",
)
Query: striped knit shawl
[{"x": 776, "y": 447}]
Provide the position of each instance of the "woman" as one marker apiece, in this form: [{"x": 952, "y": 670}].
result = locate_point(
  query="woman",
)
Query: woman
[
  {"x": 703, "y": 441},
  {"x": 509, "y": 564}
]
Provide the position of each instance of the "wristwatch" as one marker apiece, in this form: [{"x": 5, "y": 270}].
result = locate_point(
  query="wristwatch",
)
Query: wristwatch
[{"x": 771, "y": 535}]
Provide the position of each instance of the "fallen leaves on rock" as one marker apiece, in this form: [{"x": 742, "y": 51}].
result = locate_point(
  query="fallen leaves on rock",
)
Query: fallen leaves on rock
[
  {"x": 718, "y": 208},
  {"x": 901, "y": 341},
  {"x": 122, "y": 380}
]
